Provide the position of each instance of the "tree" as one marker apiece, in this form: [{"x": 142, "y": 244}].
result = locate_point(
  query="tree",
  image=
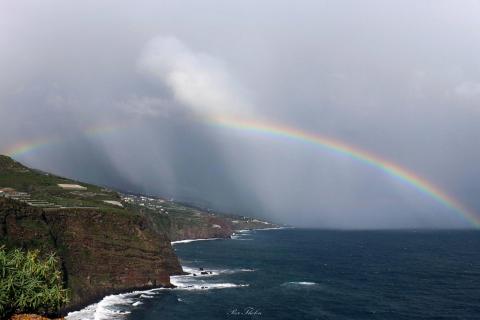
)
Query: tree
[{"x": 30, "y": 284}]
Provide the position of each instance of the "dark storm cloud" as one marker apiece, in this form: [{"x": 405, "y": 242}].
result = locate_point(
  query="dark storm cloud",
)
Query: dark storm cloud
[{"x": 399, "y": 79}]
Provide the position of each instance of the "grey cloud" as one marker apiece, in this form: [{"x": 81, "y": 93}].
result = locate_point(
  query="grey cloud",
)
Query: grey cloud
[
  {"x": 145, "y": 106},
  {"x": 197, "y": 80},
  {"x": 468, "y": 90},
  {"x": 398, "y": 79}
]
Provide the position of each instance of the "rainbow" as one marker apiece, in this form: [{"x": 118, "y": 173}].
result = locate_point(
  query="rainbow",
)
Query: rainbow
[
  {"x": 281, "y": 131},
  {"x": 26, "y": 146},
  {"x": 339, "y": 147}
]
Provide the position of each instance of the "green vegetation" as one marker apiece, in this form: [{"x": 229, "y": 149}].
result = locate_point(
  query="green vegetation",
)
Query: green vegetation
[
  {"x": 96, "y": 242},
  {"x": 41, "y": 186},
  {"x": 29, "y": 284}
]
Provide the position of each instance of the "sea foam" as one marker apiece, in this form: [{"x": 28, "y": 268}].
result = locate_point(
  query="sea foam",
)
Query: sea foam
[
  {"x": 211, "y": 272},
  {"x": 192, "y": 240},
  {"x": 116, "y": 306},
  {"x": 304, "y": 285},
  {"x": 198, "y": 282},
  {"x": 120, "y": 305}
]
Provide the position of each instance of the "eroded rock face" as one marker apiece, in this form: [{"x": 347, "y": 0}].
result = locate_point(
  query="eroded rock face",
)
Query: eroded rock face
[
  {"x": 212, "y": 227},
  {"x": 100, "y": 252}
]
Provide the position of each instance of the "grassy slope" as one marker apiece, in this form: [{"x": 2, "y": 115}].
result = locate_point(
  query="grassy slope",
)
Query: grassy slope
[
  {"x": 44, "y": 186},
  {"x": 182, "y": 221},
  {"x": 188, "y": 222},
  {"x": 103, "y": 250}
]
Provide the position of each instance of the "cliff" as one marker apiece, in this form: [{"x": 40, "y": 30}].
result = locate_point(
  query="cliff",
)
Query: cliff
[
  {"x": 106, "y": 242},
  {"x": 180, "y": 221},
  {"x": 203, "y": 227},
  {"x": 101, "y": 252}
]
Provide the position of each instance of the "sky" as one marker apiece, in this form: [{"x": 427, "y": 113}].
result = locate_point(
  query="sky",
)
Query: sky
[{"x": 125, "y": 93}]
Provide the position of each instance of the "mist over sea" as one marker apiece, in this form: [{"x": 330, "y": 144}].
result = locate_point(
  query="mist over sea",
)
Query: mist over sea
[{"x": 316, "y": 274}]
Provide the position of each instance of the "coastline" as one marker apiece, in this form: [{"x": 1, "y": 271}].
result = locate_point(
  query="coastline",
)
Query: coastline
[
  {"x": 99, "y": 307},
  {"x": 192, "y": 240},
  {"x": 230, "y": 236}
]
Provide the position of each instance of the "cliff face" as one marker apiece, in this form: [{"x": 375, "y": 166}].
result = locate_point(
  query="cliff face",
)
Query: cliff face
[
  {"x": 180, "y": 221},
  {"x": 100, "y": 252},
  {"x": 211, "y": 227},
  {"x": 106, "y": 244}
]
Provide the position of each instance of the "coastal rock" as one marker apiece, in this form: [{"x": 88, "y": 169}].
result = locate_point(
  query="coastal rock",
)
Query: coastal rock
[
  {"x": 200, "y": 228},
  {"x": 103, "y": 249},
  {"x": 31, "y": 317},
  {"x": 100, "y": 252}
]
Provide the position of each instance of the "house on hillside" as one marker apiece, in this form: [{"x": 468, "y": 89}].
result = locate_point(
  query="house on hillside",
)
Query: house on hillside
[{"x": 5, "y": 192}]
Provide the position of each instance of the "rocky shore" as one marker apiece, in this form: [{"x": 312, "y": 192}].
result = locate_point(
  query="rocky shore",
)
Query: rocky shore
[
  {"x": 32, "y": 317},
  {"x": 103, "y": 249},
  {"x": 100, "y": 252}
]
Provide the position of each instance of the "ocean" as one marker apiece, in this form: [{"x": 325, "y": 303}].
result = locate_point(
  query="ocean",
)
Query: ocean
[{"x": 315, "y": 274}]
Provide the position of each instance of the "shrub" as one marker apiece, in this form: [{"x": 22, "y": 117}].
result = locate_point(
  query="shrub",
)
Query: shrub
[{"x": 30, "y": 284}]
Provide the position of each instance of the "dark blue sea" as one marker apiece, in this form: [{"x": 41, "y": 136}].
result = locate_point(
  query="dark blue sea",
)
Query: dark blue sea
[{"x": 316, "y": 274}]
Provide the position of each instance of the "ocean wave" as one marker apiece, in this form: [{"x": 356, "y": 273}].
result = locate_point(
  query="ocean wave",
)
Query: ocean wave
[
  {"x": 274, "y": 228},
  {"x": 199, "y": 285},
  {"x": 192, "y": 240},
  {"x": 244, "y": 231},
  {"x": 212, "y": 272},
  {"x": 119, "y": 306},
  {"x": 198, "y": 282},
  {"x": 241, "y": 235},
  {"x": 116, "y": 306},
  {"x": 299, "y": 284},
  {"x": 87, "y": 313}
]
